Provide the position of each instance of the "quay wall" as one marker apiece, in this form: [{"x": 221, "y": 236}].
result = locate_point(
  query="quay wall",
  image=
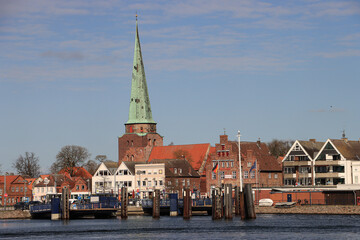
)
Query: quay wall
[
  {"x": 313, "y": 209},
  {"x": 15, "y": 214}
]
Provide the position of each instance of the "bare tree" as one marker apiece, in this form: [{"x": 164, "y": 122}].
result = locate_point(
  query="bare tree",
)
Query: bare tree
[
  {"x": 101, "y": 158},
  {"x": 69, "y": 157},
  {"x": 279, "y": 148},
  {"x": 91, "y": 166},
  {"x": 27, "y": 165}
]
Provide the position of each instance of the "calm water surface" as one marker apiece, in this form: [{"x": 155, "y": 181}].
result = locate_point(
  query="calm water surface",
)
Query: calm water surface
[{"x": 198, "y": 227}]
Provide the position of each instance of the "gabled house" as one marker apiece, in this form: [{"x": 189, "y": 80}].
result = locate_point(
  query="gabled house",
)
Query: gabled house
[
  {"x": 103, "y": 180},
  {"x": 179, "y": 174},
  {"x": 298, "y": 163},
  {"x": 15, "y": 189},
  {"x": 259, "y": 167},
  {"x": 338, "y": 162}
]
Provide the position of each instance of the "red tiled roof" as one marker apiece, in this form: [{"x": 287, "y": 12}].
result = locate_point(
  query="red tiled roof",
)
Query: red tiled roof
[
  {"x": 77, "y": 172},
  {"x": 198, "y": 153}
]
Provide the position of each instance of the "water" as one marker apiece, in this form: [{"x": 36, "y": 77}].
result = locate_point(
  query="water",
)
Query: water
[{"x": 198, "y": 227}]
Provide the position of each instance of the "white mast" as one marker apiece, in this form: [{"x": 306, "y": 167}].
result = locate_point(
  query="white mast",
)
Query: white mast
[{"x": 240, "y": 170}]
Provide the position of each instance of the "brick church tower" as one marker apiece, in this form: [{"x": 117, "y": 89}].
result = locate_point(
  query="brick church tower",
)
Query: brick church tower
[{"x": 140, "y": 130}]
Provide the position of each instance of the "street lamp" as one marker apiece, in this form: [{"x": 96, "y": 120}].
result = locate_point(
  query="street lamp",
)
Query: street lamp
[
  {"x": 240, "y": 170},
  {"x": 138, "y": 172}
]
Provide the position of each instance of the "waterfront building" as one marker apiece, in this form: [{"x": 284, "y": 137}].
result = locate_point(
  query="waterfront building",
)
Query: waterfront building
[
  {"x": 338, "y": 162},
  {"x": 259, "y": 167},
  {"x": 149, "y": 177},
  {"x": 140, "y": 129},
  {"x": 13, "y": 189},
  {"x": 298, "y": 163},
  {"x": 179, "y": 174},
  {"x": 103, "y": 179}
]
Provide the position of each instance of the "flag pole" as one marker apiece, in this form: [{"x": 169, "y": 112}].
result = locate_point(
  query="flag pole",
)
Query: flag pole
[{"x": 240, "y": 170}]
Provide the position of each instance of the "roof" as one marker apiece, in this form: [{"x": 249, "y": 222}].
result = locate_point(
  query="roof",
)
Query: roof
[
  {"x": 311, "y": 147},
  {"x": 197, "y": 153},
  {"x": 131, "y": 166},
  {"x": 77, "y": 172},
  {"x": 187, "y": 170},
  {"x": 59, "y": 178},
  {"x": 111, "y": 166},
  {"x": 349, "y": 149},
  {"x": 30, "y": 182},
  {"x": 9, "y": 179},
  {"x": 261, "y": 151}
]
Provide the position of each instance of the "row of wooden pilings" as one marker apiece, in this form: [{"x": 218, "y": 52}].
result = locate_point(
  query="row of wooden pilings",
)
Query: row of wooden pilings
[{"x": 222, "y": 203}]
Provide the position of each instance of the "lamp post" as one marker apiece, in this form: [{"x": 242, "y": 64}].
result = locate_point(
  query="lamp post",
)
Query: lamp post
[
  {"x": 5, "y": 190},
  {"x": 138, "y": 172},
  {"x": 240, "y": 170}
]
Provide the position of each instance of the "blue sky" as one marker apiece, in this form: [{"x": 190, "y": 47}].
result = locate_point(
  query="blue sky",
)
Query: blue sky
[{"x": 271, "y": 69}]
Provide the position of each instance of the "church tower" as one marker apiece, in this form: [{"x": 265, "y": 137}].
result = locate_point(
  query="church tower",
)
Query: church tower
[{"x": 140, "y": 130}]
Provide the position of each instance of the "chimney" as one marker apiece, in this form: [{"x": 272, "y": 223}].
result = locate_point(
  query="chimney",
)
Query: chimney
[{"x": 312, "y": 140}]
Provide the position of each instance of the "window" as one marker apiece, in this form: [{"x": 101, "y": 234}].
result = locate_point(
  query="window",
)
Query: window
[
  {"x": 252, "y": 174},
  {"x": 183, "y": 182},
  {"x": 213, "y": 175},
  {"x": 246, "y": 174},
  {"x": 223, "y": 164},
  {"x": 161, "y": 182},
  {"x": 275, "y": 175},
  {"x": 297, "y": 147},
  {"x": 269, "y": 174},
  {"x": 13, "y": 189},
  {"x": 222, "y": 146},
  {"x": 160, "y": 171},
  {"x": 149, "y": 183},
  {"x": 138, "y": 183},
  {"x": 234, "y": 174},
  {"x": 232, "y": 164},
  {"x": 144, "y": 183},
  {"x": 130, "y": 183},
  {"x": 249, "y": 164},
  {"x": 227, "y": 164},
  {"x": 155, "y": 183},
  {"x": 21, "y": 189},
  {"x": 169, "y": 183},
  {"x": 17, "y": 189},
  {"x": 188, "y": 182},
  {"x": 180, "y": 170},
  {"x": 175, "y": 170},
  {"x": 176, "y": 182},
  {"x": 82, "y": 187},
  {"x": 222, "y": 175},
  {"x": 77, "y": 187},
  {"x": 336, "y": 157}
]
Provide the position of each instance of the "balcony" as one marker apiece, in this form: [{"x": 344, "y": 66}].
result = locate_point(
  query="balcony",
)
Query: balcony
[
  {"x": 296, "y": 163},
  {"x": 289, "y": 175},
  {"x": 329, "y": 175},
  {"x": 328, "y": 163}
]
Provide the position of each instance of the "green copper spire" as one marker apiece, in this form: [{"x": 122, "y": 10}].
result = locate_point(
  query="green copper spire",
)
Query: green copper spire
[{"x": 140, "y": 109}]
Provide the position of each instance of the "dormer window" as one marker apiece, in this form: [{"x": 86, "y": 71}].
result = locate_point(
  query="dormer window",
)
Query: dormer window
[
  {"x": 175, "y": 170},
  {"x": 180, "y": 170},
  {"x": 297, "y": 147}
]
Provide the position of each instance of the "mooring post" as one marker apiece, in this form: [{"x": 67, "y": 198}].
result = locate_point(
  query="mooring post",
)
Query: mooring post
[
  {"x": 242, "y": 205},
  {"x": 228, "y": 201},
  {"x": 65, "y": 208},
  {"x": 187, "y": 203},
  {"x": 55, "y": 209},
  {"x": 156, "y": 204},
  {"x": 173, "y": 204},
  {"x": 216, "y": 204},
  {"x": 124, "y": 203},
  {"x": 249, "y": 202},
  {"x": 237, "y": 201}
]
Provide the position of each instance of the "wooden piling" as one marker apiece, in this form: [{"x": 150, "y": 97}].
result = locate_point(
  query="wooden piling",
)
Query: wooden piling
[
  {"x": 237, "y": 201},
  {"x": 156, "y": 204},
  {"x": 228, "y": 201},
  {"x": 124, "y": 203},
  {"x": 216, "y": 204},
  {"x": 242, "y": 205},
  {"x": 65, "y": 208},
  {"x": 249, "y": 202},
  {"x": 173, "y": 204},
  {"x": 187, "y": 203}
]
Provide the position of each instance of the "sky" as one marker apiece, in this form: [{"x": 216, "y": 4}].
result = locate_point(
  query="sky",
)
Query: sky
[{"x": 271, "y": 69}]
